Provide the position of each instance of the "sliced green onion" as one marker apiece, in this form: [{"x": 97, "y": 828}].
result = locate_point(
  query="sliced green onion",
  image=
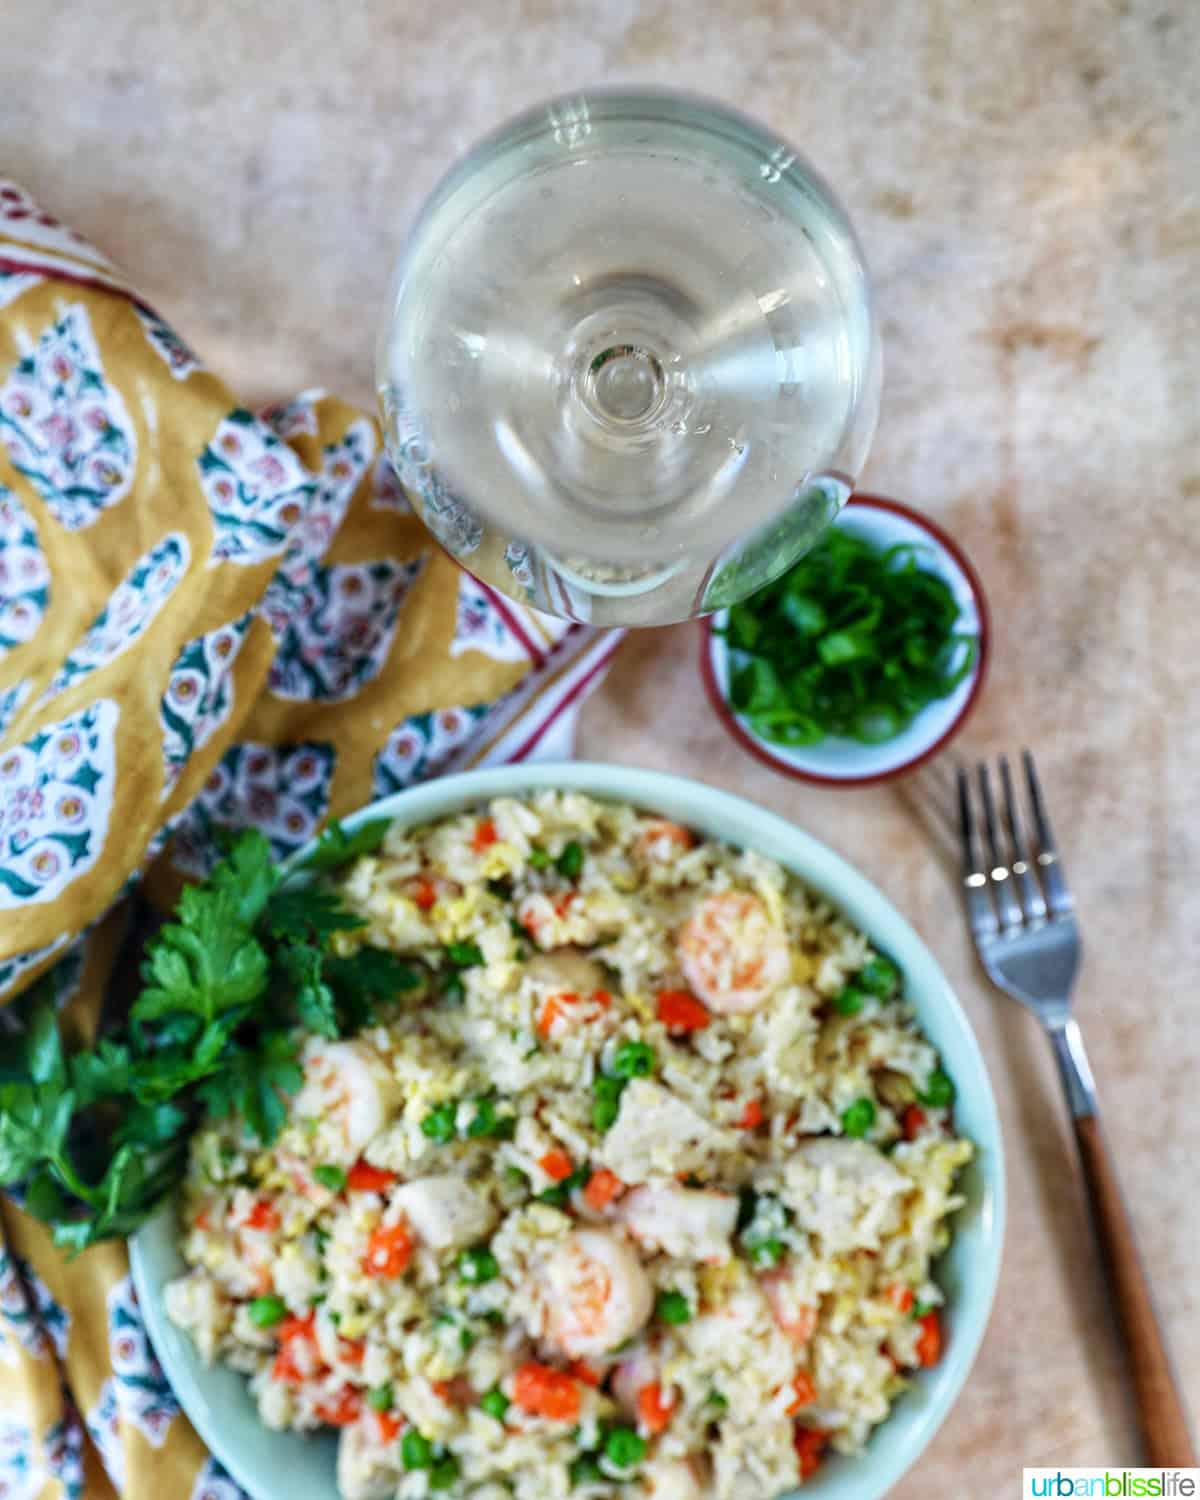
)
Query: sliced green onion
[
  {"x": 439, "y": 1124},
  {"x": 672, "y": 1308},
  {"x": 478, "y": 1266},
  {"x": 464, "y": 955},
  {"x": 380, "y": 1397},
  {"x": 538, "y": 858},
  {"x": 570, "y": 862},
  {"x": 331, "y": 1177}
]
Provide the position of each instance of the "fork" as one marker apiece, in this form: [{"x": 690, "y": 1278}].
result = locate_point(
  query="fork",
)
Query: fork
[{"x": 1022, "y": 919}]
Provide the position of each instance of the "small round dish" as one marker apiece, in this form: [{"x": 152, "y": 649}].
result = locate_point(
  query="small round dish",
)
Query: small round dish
[
  {"x": 268, "y": 1464},
  {"x": 845, "y": 762}
]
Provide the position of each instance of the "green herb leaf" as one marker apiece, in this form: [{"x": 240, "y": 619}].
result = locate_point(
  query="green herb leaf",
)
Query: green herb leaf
[{"x": 337, "y": 847}]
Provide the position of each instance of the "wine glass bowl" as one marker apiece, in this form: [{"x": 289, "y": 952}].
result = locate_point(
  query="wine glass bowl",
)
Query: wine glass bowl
[{"x": 629, "y": 366}]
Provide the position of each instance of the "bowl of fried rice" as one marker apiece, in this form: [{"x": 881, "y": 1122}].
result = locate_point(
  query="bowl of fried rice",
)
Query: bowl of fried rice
[{"x": 668, "y": 1169}]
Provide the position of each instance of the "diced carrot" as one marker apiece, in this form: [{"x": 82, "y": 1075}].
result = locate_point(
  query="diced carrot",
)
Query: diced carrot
[
  {"x": 352, "y": 1351},
  {"x": 364, "y": 1178},
  {"x": 485, "y": 835},
  {"x": 912, "y": 1121},
  {"x": 602, "y": 998},
  {"x": 929, "y": 1341},
  {"x": 285, "y": 1367},
  {"x": 752, "y": 1115},
  {"x": 389, "y": 1251},
  {"x": 810, "y": 1449},
  {"x": 202, "y": 1221},
  {"x": 262, "y": 1216},
  {"x": 805, "y": 1393},
  {"x": 441, "y": 1389},
  {"x": 680, "y": 1011},
  {"x": 563, "y": 903},
  {"x": 556, "y": 1164},
  {"x": 654, "y": 1409},
  {"x": 343, "y": 1409},
  {"x": 388, "y": 1426},
  {"x": 584, "y": 1372},
  {"x": 297, "y": 1328},
  {"x": 602, "y": 1187},
  {"x": 546, "y": 1392},
  {"x": 900, "y": 1296},
  {"x": 424, "y": 892}
]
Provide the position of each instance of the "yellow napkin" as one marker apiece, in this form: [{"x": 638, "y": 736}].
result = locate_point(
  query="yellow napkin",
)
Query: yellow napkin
[{"x": 207, "y": 617}]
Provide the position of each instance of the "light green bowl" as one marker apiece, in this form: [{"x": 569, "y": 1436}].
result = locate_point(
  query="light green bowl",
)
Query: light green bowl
[{"x": 274, "y": 1464}]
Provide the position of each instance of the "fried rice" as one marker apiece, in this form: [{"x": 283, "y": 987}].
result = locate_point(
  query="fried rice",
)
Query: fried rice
[{"x": 637, "y": 1193}]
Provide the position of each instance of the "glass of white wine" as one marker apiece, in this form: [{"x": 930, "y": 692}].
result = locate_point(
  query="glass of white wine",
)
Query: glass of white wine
[{"x": 629, "y": 369}]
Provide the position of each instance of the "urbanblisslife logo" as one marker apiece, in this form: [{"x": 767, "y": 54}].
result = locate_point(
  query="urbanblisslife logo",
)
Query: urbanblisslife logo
[{"x": 1111, "y": 1484}]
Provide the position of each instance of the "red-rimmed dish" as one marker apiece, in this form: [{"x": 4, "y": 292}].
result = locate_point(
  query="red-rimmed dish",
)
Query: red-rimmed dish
[{"x": 843, "y": 762}]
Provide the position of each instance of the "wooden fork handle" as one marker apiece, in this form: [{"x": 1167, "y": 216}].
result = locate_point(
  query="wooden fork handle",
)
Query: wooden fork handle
[{"x": 1164, "y": 1425}]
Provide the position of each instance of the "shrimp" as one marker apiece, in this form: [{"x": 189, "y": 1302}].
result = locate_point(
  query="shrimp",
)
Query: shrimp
[
  {"x": 688, "y": 1223},
  {"x": 732, "y": 954},
  {"x": 796, "y": 1320},
  {"x": 662, "y": 839},
  {"x": 446, "y": 1212},
  {"x": 594, "y": 1294},
  {"x": 350, "y": 1094}
]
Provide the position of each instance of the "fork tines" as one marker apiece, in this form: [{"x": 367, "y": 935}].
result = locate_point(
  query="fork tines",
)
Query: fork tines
[{"x": 1011, "y": 882}]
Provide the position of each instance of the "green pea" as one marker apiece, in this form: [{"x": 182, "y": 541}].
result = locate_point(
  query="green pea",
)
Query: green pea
[
  {"x": 416, "y": 1451},
  {"x": 634, "y": 1060},
  {"x": 495, "y": 1403},
  {"x": 464, "y": 955},
  {"x": 265, "y": 1312},
  {"x": 585, "y": 1470},
  {"x": 623, "y": 1447},
  {"x": 333, "y": 1178},
  {"x": 570, "y": 861},
  {"x": 849, "y": 1001},
  {"x": 380, "y": 1397},
  {"x": 858, "y": 1117},
  {"x": 484, "y": 1120},
  {"x": 538, "y": 858},
  {"x": 515, "y": 1177},
  {"x": 879, "y": 976},
  {"x": 939, "y": 1090},
  {"x": 438, "y": 1124},
  {"x": 767, "y": 1252},
  {"x": 673, "y": 1308},
  {"x": 715, "y": 1399},
  {"x": 478, "y": 1266},
  {"x": 444, "y": 1474}
]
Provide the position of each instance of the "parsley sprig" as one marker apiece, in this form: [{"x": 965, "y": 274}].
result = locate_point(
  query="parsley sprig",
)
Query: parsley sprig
[{"x": 98, "y": 1138}]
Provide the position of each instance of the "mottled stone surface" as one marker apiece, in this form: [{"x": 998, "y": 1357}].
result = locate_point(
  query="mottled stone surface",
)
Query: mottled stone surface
[{"x": 1026, "y": 178}]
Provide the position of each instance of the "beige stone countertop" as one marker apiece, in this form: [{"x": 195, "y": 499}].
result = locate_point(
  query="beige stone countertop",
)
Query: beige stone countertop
[{"x": 1026, "y": 179}]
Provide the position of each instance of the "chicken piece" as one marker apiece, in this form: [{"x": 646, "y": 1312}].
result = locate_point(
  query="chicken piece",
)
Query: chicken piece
[
  {"x": 593, "y": 1293},
  {"x": 845, "y": 1191},
  {"x": 350, "y": 1093},
  {"x": 365, "y": 1466},
  {"x": 689, "y": 1223},
  {"x": 443, "y": 1211},
  {"x": 657, "y": 1135},
  {"x": 567, "y": 969},
  {"x": 201, "y": 1308},
  {"x": 674, "y": 1479}
]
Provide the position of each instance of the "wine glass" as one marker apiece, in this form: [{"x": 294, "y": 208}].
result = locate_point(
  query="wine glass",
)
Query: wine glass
[{"x": 629, "y": 368}]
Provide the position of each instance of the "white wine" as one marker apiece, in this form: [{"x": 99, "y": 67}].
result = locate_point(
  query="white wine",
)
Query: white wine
[{"x": 629, "y": 368}]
